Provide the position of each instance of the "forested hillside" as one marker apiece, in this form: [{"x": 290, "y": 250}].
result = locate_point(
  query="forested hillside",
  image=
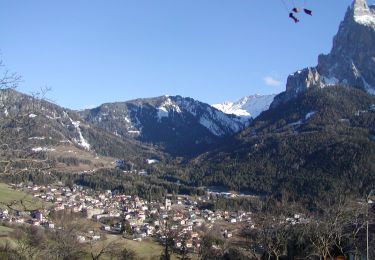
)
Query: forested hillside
[{"x": 317, "y": 144}]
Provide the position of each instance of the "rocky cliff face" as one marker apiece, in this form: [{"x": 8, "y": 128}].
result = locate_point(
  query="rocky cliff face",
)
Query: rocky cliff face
[{"x": 351, "y": 61}]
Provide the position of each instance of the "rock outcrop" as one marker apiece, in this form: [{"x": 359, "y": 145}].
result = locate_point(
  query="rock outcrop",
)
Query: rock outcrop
[{"x": 351, "y": 61}]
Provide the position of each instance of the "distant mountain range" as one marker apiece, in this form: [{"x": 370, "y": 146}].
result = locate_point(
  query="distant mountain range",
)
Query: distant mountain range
[
  {"x": 172, "y": 124},
  {"x": 177, "y": 125}
]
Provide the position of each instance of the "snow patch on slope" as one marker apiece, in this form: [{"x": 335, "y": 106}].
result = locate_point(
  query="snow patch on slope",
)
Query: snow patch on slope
[
  {"x": 167, "y": 106},
  {"x": 37, "y": 138},
  {"x": 162, "y": 112},
  {"x": 299, "y": 122},
  {"x": 369, "y": 89},
  {"x": 234, "y": 124},
  {"x": 332, "y": 81},
  {"x": 81, "y": 141},
  {"x": 152, "y": 161},
  {"x": 42, "y": 149},
  {"x": 136, "y": 132},
  {"x": 219, "y": 123},
  {"x": 309, "y": 115},
  {"x": 188, "y": 105},
  {"x": 127, "y": 120},
  {"x": 53, "y": 116},
  {"x": 212, "y": 127}
]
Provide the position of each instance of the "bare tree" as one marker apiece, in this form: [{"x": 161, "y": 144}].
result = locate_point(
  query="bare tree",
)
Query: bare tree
[
  {"x": 16, "y": 122},
  {"x": 25, "y": 244},
  {"x": 326, "y": 230},
  {"x": 8, "y": 252},
  {"x": 103, "y": 249},
  {"x": 184, "y": 249},
  {"x": 273, "y": 235},
  {"x": 127, "y": 254},
  {"x": 212, "y": 247},
  {"x": 168, "y": 236},
  {"x": 63, "y": 241},
  {"x": 355, "y": 230},
  {"x": 252, "y": 243},
  {"x": 8, "y": 80}
]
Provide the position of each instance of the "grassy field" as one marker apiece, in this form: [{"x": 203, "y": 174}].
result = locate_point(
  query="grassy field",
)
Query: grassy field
[
  {"x": 68, "y": 151},
  {"x": 4, "y": 239},
  {"x": 144, "y": 249},
  {"x": 5, "y": 230},
  {"x": 7, "y": 195},
  {"x": 147, "y": 249}
]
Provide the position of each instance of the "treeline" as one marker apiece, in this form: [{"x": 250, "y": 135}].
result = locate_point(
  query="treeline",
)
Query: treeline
[
  {"x": 147, "y": 187},
  {"x": 233, "y": 204}
]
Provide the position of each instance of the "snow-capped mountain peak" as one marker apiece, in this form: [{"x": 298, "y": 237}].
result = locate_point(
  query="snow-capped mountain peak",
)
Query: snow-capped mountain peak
[
  {"x": 362, "y": 14},
  {"x": 247, "y": 107}
]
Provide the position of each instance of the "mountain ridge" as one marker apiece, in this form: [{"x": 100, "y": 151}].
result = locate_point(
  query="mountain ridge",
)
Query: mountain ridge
[
  {"x": 174, "y": 123},
  {"x": 41, "y": 128}
]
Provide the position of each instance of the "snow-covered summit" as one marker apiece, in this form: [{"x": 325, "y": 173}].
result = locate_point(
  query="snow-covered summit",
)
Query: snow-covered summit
[
  {"x": 247, "y": 107},
  {"x": 362, "y": 13}
]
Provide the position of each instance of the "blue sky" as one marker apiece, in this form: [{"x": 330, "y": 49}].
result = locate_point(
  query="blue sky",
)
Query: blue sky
[{"x": 91, "y": 51}]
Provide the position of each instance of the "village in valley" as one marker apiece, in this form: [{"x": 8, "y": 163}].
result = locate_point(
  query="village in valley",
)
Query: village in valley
[{"x": 129, "y": 216}]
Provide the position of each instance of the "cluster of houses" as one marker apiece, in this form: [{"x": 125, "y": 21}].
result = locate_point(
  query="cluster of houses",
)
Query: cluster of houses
[
  {"x": 129, "y": 216},
  {"x": 135, "y": 218},
  {"x": 32, "y": 217}
]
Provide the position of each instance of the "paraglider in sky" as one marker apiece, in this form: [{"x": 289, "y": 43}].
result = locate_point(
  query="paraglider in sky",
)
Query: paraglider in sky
[
  {"x": 307, "y": 11},
  {"x": 293, "y": 9},
  {"x": 295, "y": 19}
]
